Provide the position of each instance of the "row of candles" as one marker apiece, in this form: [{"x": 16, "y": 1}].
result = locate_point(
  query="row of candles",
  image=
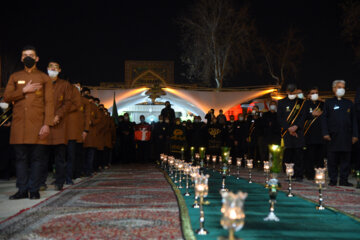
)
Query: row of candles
[{"x": 232, "y": 209}]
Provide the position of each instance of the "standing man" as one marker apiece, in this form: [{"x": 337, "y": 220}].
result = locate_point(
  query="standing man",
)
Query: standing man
[
  {"x": 77, "y": 127},
  {"x": 271, "y": 128},
  {"x": 31, "y": 93},
  {"x": 291, "y": 117},
  {"x": 57, "y": 138},
  {"x": 142, "y": 139},
  {"x": 168, "y": 112},
  {"x": 314, "y": 154},
  {"x": 340, "y": 130}
]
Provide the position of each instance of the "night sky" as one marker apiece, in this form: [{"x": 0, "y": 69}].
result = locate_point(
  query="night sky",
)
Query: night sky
[{"x": 92, "y": 41}]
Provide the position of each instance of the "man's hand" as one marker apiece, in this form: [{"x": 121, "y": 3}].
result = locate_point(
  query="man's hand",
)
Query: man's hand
[
  {"x": 44, "y": 132},
  {"x": 317, "y": 113},
  {"x": 56, "y": 120},
  {"x": 354, "y": 140},
  {"x": 84, "y": 135},
  {"x": 327, "y": 137},
  {"x": 31, "y": 87}
]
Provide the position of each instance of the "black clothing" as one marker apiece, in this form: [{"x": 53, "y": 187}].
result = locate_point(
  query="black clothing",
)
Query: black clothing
[
  {"x": 216, "y": 135},
  {"x": 312, "y": 127},
  {"x": 314, "y": 151},
  {"x": 285, "y": 107},
  {"x": 177, "y": 139},
  {"x": 336, "y": 158},
  {"x": 339, "y": 121},
  {"x": 127, "y": 144},
  {"x": 32, "y": 155},
  {"x": 168, "y": 112},
  {"x": 272, "y": 130},
  {"x": 160, "y": 137}
]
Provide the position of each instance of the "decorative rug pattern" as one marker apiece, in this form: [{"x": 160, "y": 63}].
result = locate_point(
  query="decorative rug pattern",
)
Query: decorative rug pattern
[{"x": 121, "y": 203}]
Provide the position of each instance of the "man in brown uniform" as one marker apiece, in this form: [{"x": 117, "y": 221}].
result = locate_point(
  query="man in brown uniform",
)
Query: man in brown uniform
[
  {"x": 90, "y": 143},
  {"x": 30, "y": 91},
  {"x": 57, "y": 138},
  {"x": 77, "y": 129},
  {"x": 101, "y": 130}
]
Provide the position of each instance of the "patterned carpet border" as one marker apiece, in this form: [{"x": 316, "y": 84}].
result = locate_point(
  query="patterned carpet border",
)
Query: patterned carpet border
[{"x": 184, "y": 213}]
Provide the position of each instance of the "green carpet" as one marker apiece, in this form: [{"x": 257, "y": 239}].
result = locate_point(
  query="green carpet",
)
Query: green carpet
[{"x": 299, "y": 218}]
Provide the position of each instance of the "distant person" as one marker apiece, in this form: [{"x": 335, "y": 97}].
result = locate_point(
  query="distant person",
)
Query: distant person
[
  {"x": 357, "y": 147},
  {"x": 340, "y": 130},
  {"x": 33, "y": 113},
  {"x": 221, "y": 118},
  {"x": 210, "y": 116},
  {"x": 142, "y": 140},
  {"x": 168, "y": 112}
]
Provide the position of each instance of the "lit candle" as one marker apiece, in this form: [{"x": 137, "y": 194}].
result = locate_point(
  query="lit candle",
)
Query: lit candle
[
  {"x": 192, "y": 151},
  {"x": 266, "y": 166},
  {"x": 202, "y": 152},
  {"x": 214, "y": 159},
  {"x": 232, "y": 214},
  {"x": 249, "y": 163},
  {"x": 238, "y": 162}
]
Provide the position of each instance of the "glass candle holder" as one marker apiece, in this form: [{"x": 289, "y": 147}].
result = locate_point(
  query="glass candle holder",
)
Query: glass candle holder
[
  {"x": 273, "y": 186},
  {"x": 238, "y": 165},
  {"x": 201, "y": 191},
  {"x": 320, "y": 179},
  {"x": 233, "y": 215},
  {"x": 249, "y": 165},
  {"x": 289, "y": 172}
]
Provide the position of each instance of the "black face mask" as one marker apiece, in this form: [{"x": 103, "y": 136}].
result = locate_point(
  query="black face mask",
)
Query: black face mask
[{"x": 29, "y": 62}]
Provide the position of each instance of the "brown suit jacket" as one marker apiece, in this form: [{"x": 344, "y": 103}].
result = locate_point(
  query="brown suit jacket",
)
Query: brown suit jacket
[
  {"x": 91, "y": 139},
  {"x": 78, "y": 120},
  {"x": 62, "y": 99},
  {"x": 32, "y": 110},
  {"x": 101, "y": 129}
]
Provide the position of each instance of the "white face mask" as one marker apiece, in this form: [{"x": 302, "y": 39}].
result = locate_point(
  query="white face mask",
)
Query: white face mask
[
  {"x": 4, "y": 105},
  {"x": 52, "y": 73},
  {"x": 340, "y": 92},
  {"x": 292, "y": 96},
  {"x": 300, "y": 95},
  {"x": 78, "y": 87},
  {"x": 314, "y": 97},
  {"x": 273, "y": 107}
]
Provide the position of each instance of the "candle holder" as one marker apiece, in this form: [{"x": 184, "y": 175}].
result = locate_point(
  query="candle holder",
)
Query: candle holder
[
  {"x": 197, "y": 158},
  {"x": 233, "y": 217},
  {"x": 238, "y": 165},
  {"x": 266, "y": 171},
  {"x": 223, "y": 173},
  {"x": 171, "y": 166},
  {"x": 202, "y": 158},
  {"x": 176, "y": 163},
  {"x": 192, "y": 154},
  {"x": 182, "y": 153},
  {"x": 358, "y": 179},
  {"x": 180, "y": 168},
  {"x": 229, "y": 163},
  {"x": 207, "y": 160},
  {"x": 289, "y": 173},
  {"x": 249, "y": 165},
  {"x": 214, "y": 163},
  {"x": 276, "y": 153},
  {"x": 220, "y": 162},
  {"x": 320, "y": 179},
  {"x": 273, "y": 185},
  {"x": 201, "y": 190},
  {"x": 194, "y": 174},
  {"x": 187, "y": 170}
]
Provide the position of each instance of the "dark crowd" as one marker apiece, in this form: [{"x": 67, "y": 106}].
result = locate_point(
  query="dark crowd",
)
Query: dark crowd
[{"x": 57, "y": 126}]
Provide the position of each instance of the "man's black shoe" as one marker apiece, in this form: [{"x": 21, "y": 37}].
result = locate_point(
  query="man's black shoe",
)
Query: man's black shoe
[
  {"x": 346, "y": 184},
  {"x": 58, "y": 187},
  {"x": 19, "y": 195},
  {"x": 332, "y": 183},
  {"x": 34, "y": 195}
]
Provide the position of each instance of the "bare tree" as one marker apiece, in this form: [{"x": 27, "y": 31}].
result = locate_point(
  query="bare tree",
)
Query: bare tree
[
  {"x": 351, "y": 24},
  {"x": 283, "y": 57},
  {"x": 216, "y": 40}
]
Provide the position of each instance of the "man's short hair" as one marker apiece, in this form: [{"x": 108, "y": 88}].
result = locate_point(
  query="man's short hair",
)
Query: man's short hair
[
  {"x": 314, "y": 88},
  {"x": 338, "y": 81},
  {"x": 29, "y": 47},
  {"x": 84, "y": 89},
  {"x": 54, "y": 60},
  {"x": 291, "y": 87},
  {"x": 96, "y": 99}
]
